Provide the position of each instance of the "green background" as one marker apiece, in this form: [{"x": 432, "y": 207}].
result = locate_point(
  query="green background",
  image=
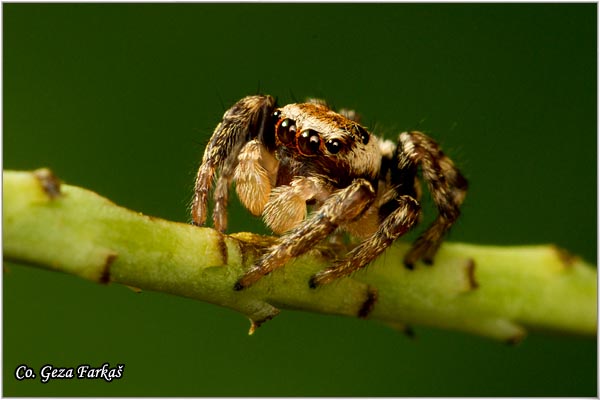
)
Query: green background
[{"x": 122, "y": 99}]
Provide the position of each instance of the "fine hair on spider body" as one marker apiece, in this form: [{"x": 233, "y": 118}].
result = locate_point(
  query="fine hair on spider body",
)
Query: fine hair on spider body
[{"x": 286, "y": 158}]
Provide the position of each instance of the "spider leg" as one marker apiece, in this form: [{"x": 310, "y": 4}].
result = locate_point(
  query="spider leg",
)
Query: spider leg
[
  {"x": 342, "y": 206},
  {"x": 221, "y": 197},
  {"x": 447, "y": 185},
  {"x": 245, "y": 120},
  {"x": 398, "y": 222}
]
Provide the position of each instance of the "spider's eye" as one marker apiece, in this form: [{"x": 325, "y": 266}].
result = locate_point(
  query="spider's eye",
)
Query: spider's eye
[
  {"x": 333, "y": 146},
  {"x": 309, "y": 142},
  {"x": 364, "y": 135},
  {"x": 276, "y": 115},
  {"x": 286, "y": 131}
]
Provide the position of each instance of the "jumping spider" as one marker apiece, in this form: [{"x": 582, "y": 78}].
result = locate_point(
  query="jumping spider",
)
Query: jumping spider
[{"x": 284, "y": 159}]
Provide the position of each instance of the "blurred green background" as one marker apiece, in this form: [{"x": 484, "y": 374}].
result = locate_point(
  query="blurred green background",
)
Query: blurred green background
[{"x": 122, "y": 99}]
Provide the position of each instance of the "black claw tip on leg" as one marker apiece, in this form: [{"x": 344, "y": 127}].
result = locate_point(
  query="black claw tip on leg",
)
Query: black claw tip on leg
[
  {"x": 408, "y": 265},
  {"x": 238, "y": 286},
  {"x": 312, "y": 283}
]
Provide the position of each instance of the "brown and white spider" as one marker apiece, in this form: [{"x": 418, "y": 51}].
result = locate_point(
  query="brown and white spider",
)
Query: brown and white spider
[{"x": 285, "y": 159}]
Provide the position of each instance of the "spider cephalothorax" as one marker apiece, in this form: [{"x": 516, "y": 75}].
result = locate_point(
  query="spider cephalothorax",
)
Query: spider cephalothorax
[{"x": 284, "y": 159}]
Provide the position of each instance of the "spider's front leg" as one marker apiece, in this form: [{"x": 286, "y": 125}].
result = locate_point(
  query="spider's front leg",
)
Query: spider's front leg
[
  {"x": 247, "y": 119},
  {"x": 344, "y": 205},
  {"x": 447, "y": 185},
  {"x": 405, "y": 211}
]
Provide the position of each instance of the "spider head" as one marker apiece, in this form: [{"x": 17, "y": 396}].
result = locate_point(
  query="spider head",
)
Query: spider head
[{"x": 332, "y": 143}]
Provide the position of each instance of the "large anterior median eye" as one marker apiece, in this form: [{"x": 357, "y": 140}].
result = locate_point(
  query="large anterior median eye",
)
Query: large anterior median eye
[
  {"x": 286, "y": 131},
  {"x": 309, "y": 142}
]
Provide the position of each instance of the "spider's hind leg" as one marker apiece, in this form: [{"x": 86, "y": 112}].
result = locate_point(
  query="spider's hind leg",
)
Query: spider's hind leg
[
  {"x": 447, "y": 185},
  {"x": 403, "y": 212}
]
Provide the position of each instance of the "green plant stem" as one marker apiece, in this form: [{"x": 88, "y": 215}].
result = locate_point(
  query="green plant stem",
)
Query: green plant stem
[{"x": 492, "y": 291}]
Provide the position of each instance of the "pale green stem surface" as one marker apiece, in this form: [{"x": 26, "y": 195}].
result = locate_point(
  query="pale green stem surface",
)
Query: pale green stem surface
[{"x": 492, "y": 291}]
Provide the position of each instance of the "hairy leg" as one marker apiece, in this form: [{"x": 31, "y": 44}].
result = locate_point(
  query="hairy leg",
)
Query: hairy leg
[
  {"x": 245, "y": 120},
  {"x": 447, "y": 186},
  {"x": 343, "y": 206},
  {"x": 397, "y": 223}
]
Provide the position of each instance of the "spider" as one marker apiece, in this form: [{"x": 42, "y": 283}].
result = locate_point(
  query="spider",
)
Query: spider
[{"x": 285, "y": 160}]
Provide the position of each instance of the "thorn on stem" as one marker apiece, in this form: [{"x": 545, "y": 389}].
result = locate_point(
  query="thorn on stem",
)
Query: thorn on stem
[
  {"x": 254, "y": 325},
  {"x": 134, "y": 289},
  {"x": 50, "y": 183},
  {"x": 565, "y": 257},
  {"x": 105, "y": 275},
  {"x": 369, "y": 303},
  {"x": 470, "y": 270},
  {"x": 516, "y": 339}
]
